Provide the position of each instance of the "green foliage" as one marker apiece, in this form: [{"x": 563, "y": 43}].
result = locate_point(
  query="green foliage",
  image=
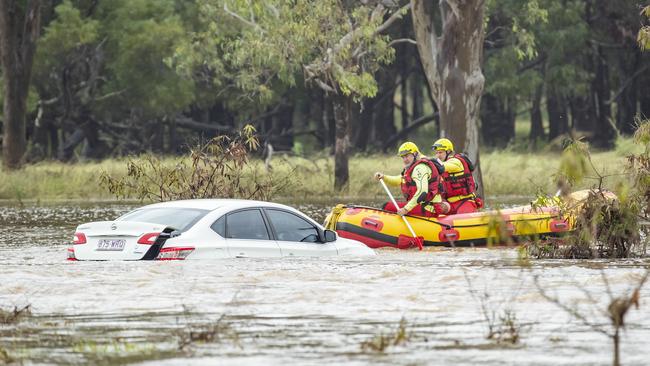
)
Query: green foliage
[
  {"x": 63, "y": 36},
  {"x": 574, "y": 163},
  {"x": 643, "y": 37},
  {"x": 511, "y": 41},
  {"x": 536, "y": 41},
  {"x": 140, "y": 34},
  {"x": 256, "y": 50},
  {"x": 111, "y": 59},
  {"x": 604, "y": 225},
  {"x": 218, "y": 169}
]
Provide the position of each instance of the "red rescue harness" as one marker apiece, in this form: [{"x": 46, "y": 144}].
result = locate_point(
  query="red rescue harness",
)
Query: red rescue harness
[
  {"x": 459, "y": 184},
  {"x": 409, "y": 187}
]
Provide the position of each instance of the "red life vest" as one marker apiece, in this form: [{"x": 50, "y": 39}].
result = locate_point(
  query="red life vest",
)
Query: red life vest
[
  {"x": 459, "y": 184},
  {"x": 409, "y": 188}
]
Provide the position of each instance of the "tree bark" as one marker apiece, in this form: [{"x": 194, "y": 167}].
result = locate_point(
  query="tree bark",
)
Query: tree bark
[
  {"x": 362, "y": 134},
  {"x": 644, "y": 96},
  {"x": 536, "y": 124},
  {"x": 582, "y": 116},
  {"x": 18, "y": 34},
  {"x": 605, "y": 133},
  {"x": 384, "y": 107},
  {"x": 342, "y": 115},
  {"x": 497, "y": 121},
  {"x": 452, "y": 64},
  {"x": 558, "y": 123},
  {"x": 627, "y": 102},
  {"x": 416, "y": 96}
]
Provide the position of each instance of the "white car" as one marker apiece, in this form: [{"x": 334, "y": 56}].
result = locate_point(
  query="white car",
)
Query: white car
[{"x": 209, "y": 228}]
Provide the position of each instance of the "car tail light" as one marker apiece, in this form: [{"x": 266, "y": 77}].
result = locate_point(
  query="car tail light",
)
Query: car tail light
[
  {"x": 79, "y": 238},
  {"x": 71, "y": 256},
  {"x": 174, "y": 253},
  {"x": 148, "y": 239}
]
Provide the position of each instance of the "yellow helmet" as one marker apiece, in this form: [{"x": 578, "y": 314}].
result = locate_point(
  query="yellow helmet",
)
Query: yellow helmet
[
  {"x": 442, "y": 145},
  {"x": 408, "y": 148}
]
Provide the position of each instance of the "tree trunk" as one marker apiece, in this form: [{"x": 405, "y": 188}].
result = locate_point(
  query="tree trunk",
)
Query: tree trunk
[
  {"x": 282, "y": 128},
  {"x": 536, "y": 124},
  {"x": 174, "y": 146},
  {"x": 342, "y": 115},
  {"x": 644, "y": 96},
  {"x": 384, "y": 107},
  {"x": 627, "y": 102},
  {"x": 605, "y": 133},
  {"x": 329, "y": 122},
  {"x": 582, "y": 116},
  {"x": 558, "y": 123},
  {"x": 452, "y": 64},
  {"x": 18, "y": 34},
  {"x": 317, "y": 109},
  {"x": 362, "y": 134},
  {"x": 416, "y": 96},
  {"x": 498, "y": 121}
]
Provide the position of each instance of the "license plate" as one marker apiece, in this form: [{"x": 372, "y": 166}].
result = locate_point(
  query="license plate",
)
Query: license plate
[{"x": 111, "y": 244}]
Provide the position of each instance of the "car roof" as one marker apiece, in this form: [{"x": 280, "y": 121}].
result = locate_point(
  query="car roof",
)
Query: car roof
[{"x": 213, "y": 204}]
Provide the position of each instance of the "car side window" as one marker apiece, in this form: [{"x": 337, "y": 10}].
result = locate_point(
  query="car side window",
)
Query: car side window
[
  {"x": 246, "y": 224},
  {"x": 219, "y": 226},
  {"x": 290, "y": 227}
]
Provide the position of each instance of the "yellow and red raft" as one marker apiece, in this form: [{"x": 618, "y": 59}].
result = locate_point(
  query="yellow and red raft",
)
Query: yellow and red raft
[{"x": 377, "y": 228}]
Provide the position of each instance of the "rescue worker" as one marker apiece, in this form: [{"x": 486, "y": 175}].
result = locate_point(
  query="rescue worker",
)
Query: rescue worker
[
  {"x": 420, "y": 184},
  {"x": 458, "y": 183}
]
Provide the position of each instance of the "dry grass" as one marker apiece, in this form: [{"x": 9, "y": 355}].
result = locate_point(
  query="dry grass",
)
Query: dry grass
[{"x": 505, "y": 173}]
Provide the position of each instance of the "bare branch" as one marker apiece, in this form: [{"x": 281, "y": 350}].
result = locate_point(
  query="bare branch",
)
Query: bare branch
[
  {"x": 402, "y": 40},
  {"x": 626, "y": 84},
  {"x": 568, "y": 310},
  {"x": 396, "y": 15},
  {"x": 242, "y": 19},
  {"x": 110, "y": 95}
]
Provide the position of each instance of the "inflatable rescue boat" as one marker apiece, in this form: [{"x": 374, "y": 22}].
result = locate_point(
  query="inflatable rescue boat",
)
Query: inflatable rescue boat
[{"x": 378, "y": 228}]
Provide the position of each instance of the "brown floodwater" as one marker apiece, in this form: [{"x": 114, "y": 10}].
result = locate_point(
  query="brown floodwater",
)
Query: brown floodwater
[{"x": 301, "y": 310}]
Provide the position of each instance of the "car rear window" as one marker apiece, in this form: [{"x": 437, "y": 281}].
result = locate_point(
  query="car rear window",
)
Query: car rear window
[{"x": 178, "y": 218}]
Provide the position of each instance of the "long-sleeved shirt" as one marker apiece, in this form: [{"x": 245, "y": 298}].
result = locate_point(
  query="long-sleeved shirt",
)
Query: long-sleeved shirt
[{"x": 420, "y": 175}]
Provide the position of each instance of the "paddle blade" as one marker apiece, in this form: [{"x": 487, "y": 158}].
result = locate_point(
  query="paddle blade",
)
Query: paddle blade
[{"x": 405, "y": 242}]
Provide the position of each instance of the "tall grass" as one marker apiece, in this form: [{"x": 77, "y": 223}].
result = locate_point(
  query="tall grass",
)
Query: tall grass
[{"x": 505, "y": 173}]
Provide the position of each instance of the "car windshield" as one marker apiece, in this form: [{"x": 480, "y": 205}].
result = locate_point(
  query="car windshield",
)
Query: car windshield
[{"x": 178, "y": 218}]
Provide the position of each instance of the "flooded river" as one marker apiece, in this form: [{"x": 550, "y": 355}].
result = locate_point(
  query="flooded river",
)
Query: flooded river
[{"x": 301, "y": 311}]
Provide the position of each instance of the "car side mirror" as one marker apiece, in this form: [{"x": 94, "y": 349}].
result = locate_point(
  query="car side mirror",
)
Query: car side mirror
[{"x": 330, "y": 236}]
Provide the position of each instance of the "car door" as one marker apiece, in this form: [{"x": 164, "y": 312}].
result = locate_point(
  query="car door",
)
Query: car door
[
  {"x": 246, "y": 234},
  {"x": 296, "y": 236}
]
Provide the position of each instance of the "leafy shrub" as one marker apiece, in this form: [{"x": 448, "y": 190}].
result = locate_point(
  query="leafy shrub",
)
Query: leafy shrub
[{"x": 217, "y": 169}]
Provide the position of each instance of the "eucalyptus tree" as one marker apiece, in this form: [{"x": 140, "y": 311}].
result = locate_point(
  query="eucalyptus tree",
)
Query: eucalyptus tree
[
  {"x": 450, "y": 41},
  {"x": 20, "y": 25},
  {"x": 259, "y": 48}
]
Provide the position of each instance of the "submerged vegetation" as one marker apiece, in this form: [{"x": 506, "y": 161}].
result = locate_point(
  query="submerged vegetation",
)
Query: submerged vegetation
[
  {"x": 15, "y": 315},
  {"x": 606, "y": 226},
  {"x": 380, "y": 342}
]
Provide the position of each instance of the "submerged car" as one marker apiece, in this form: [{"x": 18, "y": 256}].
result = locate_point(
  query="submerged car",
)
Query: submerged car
[{"x": 209, "y": 228}]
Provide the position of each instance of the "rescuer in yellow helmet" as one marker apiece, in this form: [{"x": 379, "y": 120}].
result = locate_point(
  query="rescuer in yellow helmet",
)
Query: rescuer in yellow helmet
[
  {"x": 420, "y": 183},
  {"x": 459, "y": 187}
]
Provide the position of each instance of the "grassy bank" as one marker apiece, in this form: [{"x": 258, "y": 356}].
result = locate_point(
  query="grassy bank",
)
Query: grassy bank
[{"x": 505, "y": 173}]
